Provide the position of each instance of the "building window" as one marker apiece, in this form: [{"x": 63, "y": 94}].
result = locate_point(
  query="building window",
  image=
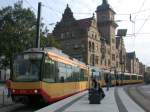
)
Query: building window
[
  {"x": 92, "y": 59},
  {"x": 109, "y": 62},
  {"x": 113, "y": 57},
  {"x": 95, "y": 36},
  {"x": 90, "y": 46},
  {"x": 93, "y": 47},
  {"x": 101, "y": 61},
  {"x": 108, "y": 52},
  {"x": 96, "y": 60},
  {"x": 117, "y": 64},
  {"x": 105, "y": 62},
  {"x": 92, "y": 35}
]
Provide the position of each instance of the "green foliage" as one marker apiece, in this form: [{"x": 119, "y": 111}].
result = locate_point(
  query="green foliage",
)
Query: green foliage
[
  {"x": 49, "y": 41},
  {"x": 17, "y": 30}
]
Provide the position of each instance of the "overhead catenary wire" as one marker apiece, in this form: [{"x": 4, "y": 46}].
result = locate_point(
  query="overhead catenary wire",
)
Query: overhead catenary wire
[
  {"x": 133, "y": 22},
  {"x": 143, "y": 24},
  {"x": 43, "y": 19},
  {"x": 50, "y": 8},
  {"x": 79, "y": 13},
  {"x": 139, "y": 9},
  {"x": 30, "y": 5}
]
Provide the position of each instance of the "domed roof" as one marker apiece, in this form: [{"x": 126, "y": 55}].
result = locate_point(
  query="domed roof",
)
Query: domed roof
[
  {"x": 68, "y": 14},
  {"x": 103, "y": 6},
  {"x": 67, "y": 10}
]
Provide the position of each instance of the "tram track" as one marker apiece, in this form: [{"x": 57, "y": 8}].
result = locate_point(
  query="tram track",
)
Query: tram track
[
  {"x": 10, "y": 107},
  {"x": 139, "y": 89},
  {"x": 138, "y": 96},
  {"x": 18, "y": 107},
  {"x": 26, "y": 108},
  {"x": 120, "y": 104}
]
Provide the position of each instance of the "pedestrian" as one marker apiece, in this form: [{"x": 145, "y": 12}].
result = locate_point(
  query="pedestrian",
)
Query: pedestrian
[
  {"x": 8, "y": 87},
  {"x": 96, "y": 85},
  {"x": 107, "y": 81}
]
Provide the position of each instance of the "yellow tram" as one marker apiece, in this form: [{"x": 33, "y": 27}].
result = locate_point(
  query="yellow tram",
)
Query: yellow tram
[
  {"x": 46, "y": 74},
  {"x": 116, "y": 79},
  {"x": 50, "y": 75}
]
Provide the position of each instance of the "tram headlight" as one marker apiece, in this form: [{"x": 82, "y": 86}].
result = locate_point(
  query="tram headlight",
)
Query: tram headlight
[
  {"x": 14, "y": 91},
  {"x": 35, "y": 91}
]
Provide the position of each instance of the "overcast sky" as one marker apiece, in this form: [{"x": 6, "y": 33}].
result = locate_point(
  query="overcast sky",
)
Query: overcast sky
[{"x": 140, "y": 15}]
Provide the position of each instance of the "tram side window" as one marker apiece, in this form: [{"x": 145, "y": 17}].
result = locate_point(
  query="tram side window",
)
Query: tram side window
[
  {"x": 69, "y": 73},
  {"x": 127, "y": 77},
  {"x": 139, "y": 77},
  {"x": 82, "y": 74},
  {"x": 62, "y": 75},
  {"x": 75, "y": 74},
  {"x": 134, "y": 77},
  {"x": 49, "y": 70}
]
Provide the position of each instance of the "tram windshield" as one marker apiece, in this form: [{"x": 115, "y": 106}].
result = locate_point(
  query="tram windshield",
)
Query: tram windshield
[{"x": 27, "y": 67}]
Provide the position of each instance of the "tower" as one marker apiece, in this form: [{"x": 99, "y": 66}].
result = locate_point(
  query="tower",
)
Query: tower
[
  {"x": 105, "y": 21},
  {"x": 107, "y": 26}
]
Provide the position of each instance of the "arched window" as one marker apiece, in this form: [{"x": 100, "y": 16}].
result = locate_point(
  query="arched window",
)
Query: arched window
[
  {"x": 93, "y": 47},
  {"x": 90, "y": 46}
]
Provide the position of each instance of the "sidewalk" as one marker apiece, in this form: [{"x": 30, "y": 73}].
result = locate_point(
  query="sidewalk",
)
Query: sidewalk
[
  {"x": 108, "y": 104},
  {"x": 115, "y": 99}
]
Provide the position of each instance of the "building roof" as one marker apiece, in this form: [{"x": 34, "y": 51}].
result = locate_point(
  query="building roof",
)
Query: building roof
[
  {"x": 68, "y": 15},
  {"x": 104, "y": 6},
  {"x": 84, "y": 23}
]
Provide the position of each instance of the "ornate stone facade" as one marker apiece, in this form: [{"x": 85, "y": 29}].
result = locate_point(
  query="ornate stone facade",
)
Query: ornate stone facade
[
  {"x": 79, "y": 38},
  {"x": 93, "y": 41}
]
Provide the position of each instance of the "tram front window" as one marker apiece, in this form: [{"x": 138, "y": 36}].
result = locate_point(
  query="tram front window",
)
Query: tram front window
[{"x": 27, "y": 67}]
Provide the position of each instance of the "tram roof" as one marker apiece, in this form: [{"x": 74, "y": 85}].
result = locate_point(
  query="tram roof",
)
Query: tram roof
[{"x": 55, "y": 51}]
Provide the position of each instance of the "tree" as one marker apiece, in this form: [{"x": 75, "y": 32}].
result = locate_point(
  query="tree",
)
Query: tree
[
  {"x": 17, "y": 30},
  {"x": 49, "y": 41}
]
